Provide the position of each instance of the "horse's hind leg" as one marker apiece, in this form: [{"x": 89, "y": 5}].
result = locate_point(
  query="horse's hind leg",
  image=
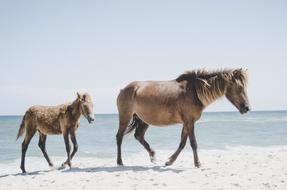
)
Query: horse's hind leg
[
  {"x": 139, "y": 135},
  {"x": 123, "y": 123},
  {"x": 184, "y": 135},
  {"x": 30, "y": 131},
  {"x": 42, "y": 145}
]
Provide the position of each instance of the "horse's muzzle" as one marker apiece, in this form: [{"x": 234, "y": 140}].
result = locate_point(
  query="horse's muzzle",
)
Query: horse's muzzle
[{"x": 244, "y": 109}]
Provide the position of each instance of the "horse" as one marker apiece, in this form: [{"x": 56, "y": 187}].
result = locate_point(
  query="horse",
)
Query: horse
[
  {"x": 182, "y": 100},
  {"x": 50, "y": 120}
]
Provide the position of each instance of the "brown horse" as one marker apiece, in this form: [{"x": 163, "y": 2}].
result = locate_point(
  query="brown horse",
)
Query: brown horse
[
  {"x": 49, "y": 120},
  {"x": 181, "y": 100}
]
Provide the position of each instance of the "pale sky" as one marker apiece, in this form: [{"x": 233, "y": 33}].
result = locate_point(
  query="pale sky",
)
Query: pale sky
[{"x": 49, "y": 50}]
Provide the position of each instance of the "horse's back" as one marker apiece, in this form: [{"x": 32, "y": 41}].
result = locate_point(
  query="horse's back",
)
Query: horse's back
[{"x": 155, "y": 102}]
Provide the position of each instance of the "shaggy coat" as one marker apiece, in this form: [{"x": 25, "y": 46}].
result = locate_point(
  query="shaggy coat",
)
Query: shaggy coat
[{"x": 50, "y": 120}]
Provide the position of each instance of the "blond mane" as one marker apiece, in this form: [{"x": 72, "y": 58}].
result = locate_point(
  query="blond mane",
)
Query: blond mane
[{"x": 211, "y": 85}]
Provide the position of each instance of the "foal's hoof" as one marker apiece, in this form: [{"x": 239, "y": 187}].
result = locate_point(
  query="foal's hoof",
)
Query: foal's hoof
[
  {"x": 120, "y": 162},
  {"x": 197, "y": 164},
  {"x": 63, "y": 166},
  {"x": 23, "y": 170},
  {"x": 152, "y": 157}
]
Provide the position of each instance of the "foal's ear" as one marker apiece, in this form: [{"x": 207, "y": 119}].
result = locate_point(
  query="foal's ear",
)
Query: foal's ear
[
  {"x": 79, "y": 96},
  {"x": 237, "y": 73}
]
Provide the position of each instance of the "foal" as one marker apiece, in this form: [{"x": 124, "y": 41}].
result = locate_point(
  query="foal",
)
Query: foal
[{"x": 50, "y": 120}]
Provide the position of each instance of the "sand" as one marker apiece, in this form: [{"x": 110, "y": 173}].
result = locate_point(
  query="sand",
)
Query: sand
[{"x": 233, "y": 168}]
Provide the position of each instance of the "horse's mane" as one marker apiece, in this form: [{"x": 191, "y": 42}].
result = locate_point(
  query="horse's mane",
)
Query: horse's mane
[{"x": 210, "y": 85}]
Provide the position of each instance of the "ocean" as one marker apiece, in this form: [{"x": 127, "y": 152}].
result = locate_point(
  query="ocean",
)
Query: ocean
[{"x": 215, "y": 130}]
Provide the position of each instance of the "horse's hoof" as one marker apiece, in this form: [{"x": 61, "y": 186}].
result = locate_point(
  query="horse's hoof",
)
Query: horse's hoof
[
  {"x": 168, "y": 163},
  {"x": 153, "y": 160}
]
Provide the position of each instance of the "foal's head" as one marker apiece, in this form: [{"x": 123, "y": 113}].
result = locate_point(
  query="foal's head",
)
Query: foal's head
[
  {"x": 86, "y": 106},
  {"x": 236, "y": 91}
]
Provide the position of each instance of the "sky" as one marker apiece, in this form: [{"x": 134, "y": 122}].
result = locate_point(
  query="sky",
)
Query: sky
[{"x": 49, "y": 50}]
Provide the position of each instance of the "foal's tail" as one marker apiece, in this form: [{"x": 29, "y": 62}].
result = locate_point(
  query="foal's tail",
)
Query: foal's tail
[
  {"x": 134, "y": 124},
  {"x": 22, "y": 127}
]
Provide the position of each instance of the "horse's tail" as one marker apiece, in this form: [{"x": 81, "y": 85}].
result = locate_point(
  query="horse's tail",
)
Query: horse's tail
[
  {"x": 134, "y": 124},
  {"x": 22, "y": 127}
]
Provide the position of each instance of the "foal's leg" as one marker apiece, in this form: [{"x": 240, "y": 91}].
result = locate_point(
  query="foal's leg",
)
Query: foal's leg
[
  {"x": 68, "y": 149},
  {"x": 193, "y": 144},
  {"x": 180, "y": 147},
  {"x": 42, "y": 145},
  {"x": 124, "y": 121},
  {"x": 29, "y": 134},
  {"x": 75, "y": 144},
  {"x": 139, "y": 135}
]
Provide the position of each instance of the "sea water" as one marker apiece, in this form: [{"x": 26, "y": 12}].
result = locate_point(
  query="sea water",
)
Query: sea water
[{"x": 216, "y": 130}]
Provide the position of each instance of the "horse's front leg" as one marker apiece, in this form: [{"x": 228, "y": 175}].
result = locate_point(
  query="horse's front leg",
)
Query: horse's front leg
[
  {"x": 193, "y": 144},
  {"x": 180, "y": 147},
  {"x": 68, "y": 149}
]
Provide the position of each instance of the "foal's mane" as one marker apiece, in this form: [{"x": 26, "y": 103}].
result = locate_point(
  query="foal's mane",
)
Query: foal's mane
[{"x": 210, "y": 85}]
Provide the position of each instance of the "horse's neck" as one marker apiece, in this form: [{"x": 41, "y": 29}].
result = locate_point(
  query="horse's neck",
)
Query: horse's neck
[
  {"x": 75, "y": 110},
  {"x": 214, "y": 90}
]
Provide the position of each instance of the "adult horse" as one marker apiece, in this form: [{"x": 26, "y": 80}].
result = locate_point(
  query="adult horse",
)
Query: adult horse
[
  {"x": 182, "y": 100},
  {"x": 49, "y": 120}
]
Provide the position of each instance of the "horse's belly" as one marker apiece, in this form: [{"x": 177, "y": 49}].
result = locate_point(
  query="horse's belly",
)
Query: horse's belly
[{"x": 159, "y": 117}]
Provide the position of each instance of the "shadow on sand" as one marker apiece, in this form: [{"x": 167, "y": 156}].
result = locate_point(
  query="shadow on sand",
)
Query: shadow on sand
[
  {"x": 124, "y": 168},
  {"x": 40, "y": 172},
  {"x": 109, "y": 169}
]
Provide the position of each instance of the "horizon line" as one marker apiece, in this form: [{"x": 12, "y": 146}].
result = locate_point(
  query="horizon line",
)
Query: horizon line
[{"x": 203, "y": 112}]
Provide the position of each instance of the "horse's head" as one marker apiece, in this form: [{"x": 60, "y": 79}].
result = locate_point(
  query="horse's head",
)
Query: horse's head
[
  {"x": 236, "y": 91},
  {"x": 86, "y": 106}
]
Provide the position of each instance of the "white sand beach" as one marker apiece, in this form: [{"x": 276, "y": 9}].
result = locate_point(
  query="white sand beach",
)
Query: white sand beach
[{"x": 234, "y": 168}]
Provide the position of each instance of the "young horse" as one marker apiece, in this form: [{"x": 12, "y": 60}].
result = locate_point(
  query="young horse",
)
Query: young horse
[
  {"x": 49, "y": 120},
  {"x": 181, "y": 100}
]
